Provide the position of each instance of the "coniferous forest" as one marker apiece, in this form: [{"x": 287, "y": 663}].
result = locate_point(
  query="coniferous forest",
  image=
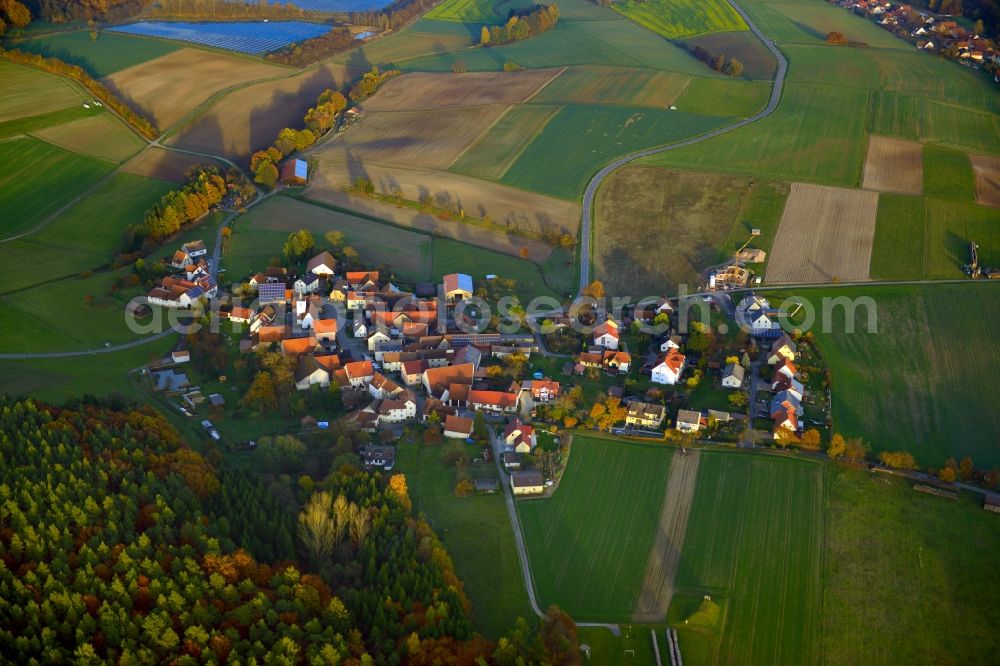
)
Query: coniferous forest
[{"x": 119, "y": 543}]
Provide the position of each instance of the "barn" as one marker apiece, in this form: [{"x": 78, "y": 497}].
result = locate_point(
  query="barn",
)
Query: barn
[{"x": 294, "y": 173}]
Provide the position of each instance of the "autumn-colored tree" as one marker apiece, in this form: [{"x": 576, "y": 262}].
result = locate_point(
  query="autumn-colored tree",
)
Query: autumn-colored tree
[
  {"x": 261, "y": 395},
  {"x": 570, "y": 421},
  {"x": 351, "y": 256},
  {"x": 317, "y": 528},
  {"x": 17, "y": 14},
  {"x": 855, "y": 450},
  {"x": 811, "y": 439},
  {"x": 397, "y": 486},
  {"x": 484, "y": 36},
  {"x": 837, "y": 446},
  {"x": 594, "y": 290},
  {"x": 734, "y": 68},
  {"x": 266, "y": 175},
  {"x": 559, "y": 637},
  {"x": 836, "y": 38},
  {"x": 464, "y": 488},
  {"x": 965, "y": 469},
  {"x": 298, "y": 245},
  {"x": 335, "y": 239},
  {"x": 897, "y": 460},
  {"x": 947, "y": 474},
  {"x": 523, "y": 252}
]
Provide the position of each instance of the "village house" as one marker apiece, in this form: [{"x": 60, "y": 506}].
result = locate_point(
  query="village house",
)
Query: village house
[
  {"x": 395, "y": 410},
  {"x": 383, "y": 457},
  {"x": 308, "y": 372},
  {"x": 271, "y": 292},
  {"x": 784, "y": 348},
  {"x": 358, "y": 373},
  {"x": 511, "y": 460},
  {"x": 325, "y": 331},
  {"x": 755, "y": 315},
  {"x": 606, "y": 334},
  {"x": 195, "y": 249},
  {"x": 496, "y": 402},
  {"x": 241, "y": 315},
  {"x": 382, "y": 388},
  {"x": 688, "y": 420},
  {"x": 443, "y": 382},
  {"x": 644, "y": 415},
  {"x": 519, "y": 437},
  {"x": 527, "y": 482},
  {"x": 669, "y": 369},
  {"x": 307, "y": 284},
  {"x": 732, "y": 376},
  {"x": 362, "y": 280},
  {"x": 294, "y": 173},
  {"x": 458, "y": 427}
]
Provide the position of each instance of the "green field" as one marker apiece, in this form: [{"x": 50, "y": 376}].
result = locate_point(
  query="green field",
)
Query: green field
[
  {"x": 107, "y": 54},
  {"x": 656, "y": 228},
  {"x": 817, "y": 134},
  {"x": 38, "y": 179},
  {"x": 476, "y": 531},
  {"x": 475, "y": 11},
  {"x": 906, "y": 575},
  {"x": 590, "y": 542},
  {"x": 754, "y": 539},
  {"x": 923, "y": 382},
  {"x": 948, "y": 174},
  {"x": 582, "y": 139},
  {"x": 926, "y": 238},
  {"x": 450, "y": 256},
  {"x": 614, "y": 85},
  {"x": 682, "y": 18},
  {"x": 724, "y": 97},
  {"x": 30, "y": 92},
  {"x": 85, "y": 237},
  {"x": 498, "y": 148},
  {"x": 259, "y": 236},
  {"x": 919, "y": 119},
  {"x": 809, "y": 21}
]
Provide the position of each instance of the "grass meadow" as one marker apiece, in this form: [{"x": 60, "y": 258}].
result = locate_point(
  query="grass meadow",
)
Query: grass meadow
[
  {"x": 451, "y": 256},
  {"x": 489, "y": 12},
  {"x": 105, "y": 55},
  {"x": 496, "y": 150},
  {"x": 923, "y": 382},
  {"x": 755, "y": 540},
  {"x": 29, "y": 92},
  {"x": 580, "y": 140},
  {"x": 919, "y": 119},
  {"x": 682, "y": 18},
  {"x": 476, "y": 531},
  {"x": 589, "y": 543},
  {"x": 948, "y": 174}
]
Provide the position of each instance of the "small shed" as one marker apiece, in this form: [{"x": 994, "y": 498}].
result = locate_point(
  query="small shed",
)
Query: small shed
[
  {"x": 486, "y": 485},
  {"x": 294, "y": 173},
  {"x": 216, "y": 400}
]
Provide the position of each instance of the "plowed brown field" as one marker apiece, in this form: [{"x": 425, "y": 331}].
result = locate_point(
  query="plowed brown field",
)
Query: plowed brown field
[{"x": 893, "y": 165}]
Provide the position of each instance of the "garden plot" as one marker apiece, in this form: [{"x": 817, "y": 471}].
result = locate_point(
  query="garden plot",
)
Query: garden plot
[{"x": 825, "y": 235}]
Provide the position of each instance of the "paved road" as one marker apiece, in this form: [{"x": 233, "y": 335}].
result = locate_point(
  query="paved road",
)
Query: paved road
[
  {"x": 92, "y": 352},
  {"x": 595, "y": 182},
  {"x": 522, "y": 551}
]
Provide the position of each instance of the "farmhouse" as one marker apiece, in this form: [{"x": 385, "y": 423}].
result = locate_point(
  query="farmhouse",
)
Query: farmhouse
[
  {"x": 458, "y": 427},
  {"x": 520, "y": 437},
  {"x": 294, "y": 173},
  {"x": 732, "y": 376},
  {"x": 442, "y": 382},
  {"x": 644, "y": 415},
  {"x": 308, "y": 372},
  {"x": 299, "y": 346},
  {"x": 606, "y": 334},
  {"x": 322, "y": 264},
  {"x": 669, "y": 369},
  {"x": 527, "y": 483},
  {"x": 497, "y": 402},
  {"x": 688, "y": 420}
]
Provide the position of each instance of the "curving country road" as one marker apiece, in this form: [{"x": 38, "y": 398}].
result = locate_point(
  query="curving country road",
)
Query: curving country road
[{"x": 595, "y": 182}]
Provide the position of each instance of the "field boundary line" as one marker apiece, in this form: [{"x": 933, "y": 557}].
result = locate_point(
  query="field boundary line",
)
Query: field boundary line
[
  {"x": 544, "y": 85},
  {"x": 506, "y": 112}
]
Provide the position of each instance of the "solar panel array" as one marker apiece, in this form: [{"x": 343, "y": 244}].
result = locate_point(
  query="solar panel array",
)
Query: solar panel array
[
  {"x": 271, "y": 293},
  {"x": 253, "y": 37}
]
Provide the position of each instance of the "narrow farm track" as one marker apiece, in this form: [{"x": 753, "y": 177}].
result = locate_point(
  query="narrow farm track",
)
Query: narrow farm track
[
  {"x": 595, "y": 183},
  {"x": 658, "y": 583}
]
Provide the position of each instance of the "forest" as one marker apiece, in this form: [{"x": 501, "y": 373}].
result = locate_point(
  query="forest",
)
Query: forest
[{"x": 121, "y": 543}]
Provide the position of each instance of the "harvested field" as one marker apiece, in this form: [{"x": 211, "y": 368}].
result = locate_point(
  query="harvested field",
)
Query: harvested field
[
  {"x": 658, "y": 584},
  {"x": 163, "y": 164},
  {"x": 422, "y": 90},
  {"x": 499, "y": 148},
  {"x": 893, "y": 165},
  {"x": 614, "y": 85},
  {"x": 250, "y": 118},
  {"x": 431, "y": 139},
  {"x": 987, "y": 170},
  {"x": 825, "y": 233},
  {"x": 170, "y": 86},
  {"x": 505, "y": 205},
  {"x": 405, "y": 45},
  {"x": 102, "y": 135}
]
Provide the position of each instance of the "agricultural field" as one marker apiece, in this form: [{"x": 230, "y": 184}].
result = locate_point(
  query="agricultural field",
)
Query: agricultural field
[
  {"x": 919, "y": 119},
  {"x": 163, "y": 164},
  {"x": 167, "y": 88},
  {"x": 30, "y": 92},
  {"x": 948, "y": 174},
  {"x": 825, "y": 234},
  {"x": 926, "y": 76},
  {"x": 910, "y": 386},
  {"x": 253, "y": 37},
  {"x": 424, "y": 38},
  {"x": 474, "y": 11},
  {"x": 496, "y": 150},
  {"x": 452, "y": 256},
  {"x": 656, "y": 228},
  {"x": 590, "y": 542},
  {"x": 260, "y": 235},
  {"x": 817, "y": 134},
  {"x": 100, "y": 135},
  {"x": 100, "y": 57},
  {"x": 809, "y": 22},
  {"x": 755, "y": 543},
  {"x": 893, "y": 166},
  {"x": 431, "y": 139},
  {"x": 987, "y": 170},
  {"x": 682, "y": 18},
  {"x": 614, "y": 85},
  {"x": 506, "y": 206},
  {"x": 724, "y": 97},
  {"x": 44, "y": 178},
  {"x": 421, "y": 91},
  {"x": 581, "y": 139},
  {"x": 476, "y": 531},
  {"x": 897, "y": 563},
  {"x": 929, "y": 238},
  {"x": 250, "y": 118},
  {"x": 758, "y": 62}
]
